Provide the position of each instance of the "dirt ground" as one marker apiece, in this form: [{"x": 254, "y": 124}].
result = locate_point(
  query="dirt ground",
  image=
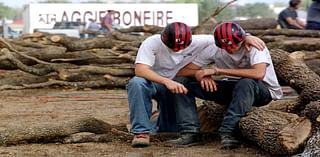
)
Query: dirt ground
[{"x": 38, "y": 106}]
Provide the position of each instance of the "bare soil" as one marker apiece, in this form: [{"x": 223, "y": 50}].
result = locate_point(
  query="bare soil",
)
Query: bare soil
[{"x": 38, "y": 106}]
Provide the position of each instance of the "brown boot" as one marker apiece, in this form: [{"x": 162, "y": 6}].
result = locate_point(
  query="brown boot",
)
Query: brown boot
[{"x": 141, "y": 140}]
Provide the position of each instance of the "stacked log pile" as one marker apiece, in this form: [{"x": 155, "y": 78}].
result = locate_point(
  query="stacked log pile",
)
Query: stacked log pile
[{"x": 51, "y": 60}]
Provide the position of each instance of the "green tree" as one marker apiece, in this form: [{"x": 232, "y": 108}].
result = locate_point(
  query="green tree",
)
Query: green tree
[
  {"x": 6, "y": 12},
  {"x": 255, "y": 10}
]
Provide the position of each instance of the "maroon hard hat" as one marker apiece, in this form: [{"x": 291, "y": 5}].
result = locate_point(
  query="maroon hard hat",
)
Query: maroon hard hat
[
  {"x": 228, "y": 35},
  {"x": 176, "y": 36}
]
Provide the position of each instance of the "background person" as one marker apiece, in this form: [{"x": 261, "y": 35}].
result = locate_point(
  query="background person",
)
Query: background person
[
  {"x": 288, "y": 18},
  {"x": 93, "y": 28},
  {"x": 107, "y": 22},
  {"x": 313, "y": 15}
]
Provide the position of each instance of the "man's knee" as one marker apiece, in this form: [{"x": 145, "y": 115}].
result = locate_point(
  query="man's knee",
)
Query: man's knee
[
  {"x": 136, "y": 82},
  {"x": 246, "y": 82},
  {"x": 246, "y": 85}
]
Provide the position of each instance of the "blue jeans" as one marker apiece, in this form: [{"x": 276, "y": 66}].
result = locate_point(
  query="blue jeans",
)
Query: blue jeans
[
  {"x": 313, "y": 25},
  {"x": 140, "y": 95},
  {"x": 238, "y": 95}
]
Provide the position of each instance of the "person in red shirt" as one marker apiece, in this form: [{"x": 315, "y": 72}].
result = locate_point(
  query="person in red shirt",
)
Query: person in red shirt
[{"x": 107, "y": 22}]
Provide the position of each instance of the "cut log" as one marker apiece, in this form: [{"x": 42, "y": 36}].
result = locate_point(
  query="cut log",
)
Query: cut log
[
  {"x": 49, "y": 132},
  {"x": 84, "y": 73},
  {"x": 292, "y": 69},
  {"x": 285, "y": 105},
  {"x": 127, "y": 37},
  {"x": 312, "y": 111},
  {"x": 102, "y": 82},
  {"x": 314, "y": 65},
  {"x": 210, "y": 116},
  {"x": 40, "y": 72},
  {"x": 276, "y": 132},
  {"x": 308, "y": 44},
  {"x": 77, "y": 44},
  {"x": 18, "y": 78},
  {"x": 285, "y": 32},
  {"x": 313, "y": 147}
]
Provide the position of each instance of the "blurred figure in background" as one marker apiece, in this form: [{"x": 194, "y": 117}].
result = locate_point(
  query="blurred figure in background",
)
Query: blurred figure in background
[
  {"x": 82, "y": 27},
  {"x": 93, "y": 28},
  {"x": 107, "y": 22},
  {"x": 313, "y": 17},
  {"x": 288, "y": 18}
]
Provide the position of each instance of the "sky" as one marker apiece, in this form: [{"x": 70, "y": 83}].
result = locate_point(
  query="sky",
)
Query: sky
[{"x": 20, "y": 3}]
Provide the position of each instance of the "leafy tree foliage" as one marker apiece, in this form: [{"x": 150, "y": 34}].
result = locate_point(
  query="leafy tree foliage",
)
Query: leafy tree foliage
[
  {"x": 255, "y": 10},
  {"x": 6, "y": 12}
]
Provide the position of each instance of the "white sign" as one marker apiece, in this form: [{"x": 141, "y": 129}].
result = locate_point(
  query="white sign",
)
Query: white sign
[{"x": 126, "y": 15}]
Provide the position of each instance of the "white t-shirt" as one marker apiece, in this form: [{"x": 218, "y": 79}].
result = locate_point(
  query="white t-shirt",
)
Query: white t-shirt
[
  {"x": 164, "y": 61},
  {"x": 242, "y": 59}
]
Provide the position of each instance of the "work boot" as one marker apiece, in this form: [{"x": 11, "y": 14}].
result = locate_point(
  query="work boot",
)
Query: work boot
[
  {"x": 187, "y": 140},
  {"x": 141, "y": 140},
  {"x": 228, "y": 141}
]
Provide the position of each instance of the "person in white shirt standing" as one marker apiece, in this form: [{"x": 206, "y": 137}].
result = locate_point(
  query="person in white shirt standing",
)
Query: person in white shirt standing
[
  {"x": 250, "y": 80},
  {"x": 159, "y": 59}
]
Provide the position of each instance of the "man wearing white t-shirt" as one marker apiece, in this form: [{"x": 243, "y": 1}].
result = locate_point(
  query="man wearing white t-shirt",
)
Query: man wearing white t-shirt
[
  {"x": 250, "y": 80},
  {"x": 159, "y": 59}
]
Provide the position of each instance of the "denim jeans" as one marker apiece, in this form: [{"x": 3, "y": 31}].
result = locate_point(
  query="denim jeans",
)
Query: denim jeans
[
  {"x": 313, "y": 25},
  {"x": 238, "y": 95},
  {"x": 140, "y": 95}
]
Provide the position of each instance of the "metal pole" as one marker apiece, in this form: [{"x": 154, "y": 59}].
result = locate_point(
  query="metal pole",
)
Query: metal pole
[{"x": 5, "y": 28}]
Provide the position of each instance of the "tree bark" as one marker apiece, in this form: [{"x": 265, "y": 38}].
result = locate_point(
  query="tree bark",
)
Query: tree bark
[
  {"x": 49, "y": 132},
  {"x": 276, "y": 132},
  {"x": 210, "y": 115},
  {"x": 312, "y": 111},
  {"x": 292, "y": 69},
  {"x": 77, "y": 44},
  {"x": 308, "y": 44},
  {"x": 284, "y": 32}
]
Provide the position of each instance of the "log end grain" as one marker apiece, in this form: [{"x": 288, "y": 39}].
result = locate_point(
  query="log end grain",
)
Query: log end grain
[{"x": 295, "y": 134}]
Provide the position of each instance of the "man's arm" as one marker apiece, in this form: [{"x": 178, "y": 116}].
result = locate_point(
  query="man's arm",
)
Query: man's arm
[
  {"x": 256, "y": 72},
  {"x": 294, "y": 22},
  {"x": 301, "y": 23},
  {"x": 189, "y": 70},
  {"x": 145, "y": 71}
]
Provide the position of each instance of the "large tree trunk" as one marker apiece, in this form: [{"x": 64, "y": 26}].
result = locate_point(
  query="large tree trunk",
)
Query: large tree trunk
[
  {"x": 49, "y": 132},
  {"x": 285, "y": 32},
  {"x": 312, "y": 148},
  {"x": 291, "y": 45},
  {"x": 292, "y": 69},
  {"x": 210, "y": 116},
  {"x": 277, "y": 132}
]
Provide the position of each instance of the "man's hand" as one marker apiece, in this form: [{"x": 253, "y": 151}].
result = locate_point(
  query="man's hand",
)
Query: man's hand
[
  {"x": 176, "y": 87},
  {"x": 254, "y": 41},
  {"x": 208, "y": 84},
  {"x": 200, "y": 74}
]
